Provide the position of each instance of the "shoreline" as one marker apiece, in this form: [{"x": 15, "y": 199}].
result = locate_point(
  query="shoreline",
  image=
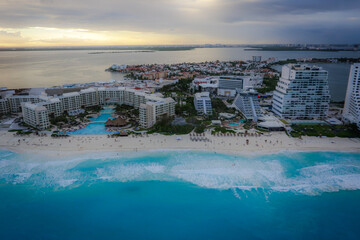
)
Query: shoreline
[{"x": 87, "y": 144}]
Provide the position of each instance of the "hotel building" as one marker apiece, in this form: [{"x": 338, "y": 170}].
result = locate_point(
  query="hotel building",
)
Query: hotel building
[
  {"x": 70, "y": 101},
  {"x": 247, "y": 103},
  {"x": 88, "y": 97},
  {"x": 351, "y": 111},
  {"x": 35, "y": 115},
  {"x": 152, "y": 106},
  {"x": 202, "y": 103},
  {"x": 4, "y": 107},
  {"x": 15, "y": 101},
  {"x": 229, "y": 84},
  {"x": 302, "y": 93},
  {"x": 153, "y": 111}
]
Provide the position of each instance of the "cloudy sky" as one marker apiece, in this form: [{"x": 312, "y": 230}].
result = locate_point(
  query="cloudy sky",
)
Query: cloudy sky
[{"x": 140, "y": 22}]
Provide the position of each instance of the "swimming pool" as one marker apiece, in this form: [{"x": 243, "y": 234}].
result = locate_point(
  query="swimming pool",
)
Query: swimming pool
[
  {"x": 107, "y": 110},
  {"x": 101, "y": 118},
  {"x": 94, "y": 128},
  {"x": 97, "y": 125},
  {"x": 235, "y": 124}
]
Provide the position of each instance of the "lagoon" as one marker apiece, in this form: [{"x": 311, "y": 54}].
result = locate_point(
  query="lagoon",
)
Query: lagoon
[{"x": 22, "y": 69}]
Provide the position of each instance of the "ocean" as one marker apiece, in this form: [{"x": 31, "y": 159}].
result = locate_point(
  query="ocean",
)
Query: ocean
[
  {"x": 28, "y": 69},
  {"x": 180, "y": 195}
]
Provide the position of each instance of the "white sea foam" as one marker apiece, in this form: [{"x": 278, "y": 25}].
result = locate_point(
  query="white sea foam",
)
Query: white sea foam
[{"x": 217, "y": 171}]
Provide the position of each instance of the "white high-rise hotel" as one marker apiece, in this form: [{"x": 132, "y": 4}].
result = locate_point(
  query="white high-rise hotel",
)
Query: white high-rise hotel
[
  {"x": 352, "y": 100},
  {"x": 302, "y": 93}
]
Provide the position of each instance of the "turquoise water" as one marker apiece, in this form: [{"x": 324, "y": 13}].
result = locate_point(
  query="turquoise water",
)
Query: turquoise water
[
  {"x": 180, "y": 195},
  {"x": 234, "y": 124},
  {"x": 93, "y": 128},
  {"x": 107, "y": 110},
  {"x": 101, "y": 118},
  {"x": 97, "y": 125}
]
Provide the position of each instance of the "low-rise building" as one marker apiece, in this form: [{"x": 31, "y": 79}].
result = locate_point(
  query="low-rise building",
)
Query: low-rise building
[{"x": 229, "y": 84}]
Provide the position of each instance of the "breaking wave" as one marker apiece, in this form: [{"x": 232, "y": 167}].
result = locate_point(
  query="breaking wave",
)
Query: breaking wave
[{"x": 303, "y": 173}]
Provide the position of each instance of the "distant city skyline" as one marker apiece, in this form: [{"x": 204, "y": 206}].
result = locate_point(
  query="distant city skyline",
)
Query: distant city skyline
[{"x": 177, "y": 22}]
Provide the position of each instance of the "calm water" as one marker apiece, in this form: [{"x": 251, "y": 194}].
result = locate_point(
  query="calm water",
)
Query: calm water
[
  {"x": 97, "y": 125},
  {"x": 52, "y": 68},
  {"x": 180, "y": 195}
]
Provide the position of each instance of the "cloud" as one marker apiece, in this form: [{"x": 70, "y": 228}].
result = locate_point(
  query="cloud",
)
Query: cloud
[
  {"x": 10, "y": 37},
  {"x": 199, "y": 21}
]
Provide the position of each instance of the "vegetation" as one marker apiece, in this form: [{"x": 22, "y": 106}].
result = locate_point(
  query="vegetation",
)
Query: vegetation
[
  {"x": 200, "y": 129},
  {"x": 219, "y": 106},
  {"x": 219, "y": 129},
  {"x": 287, "y": 61},
  {"x": 187, "y": 108},
  {"x": 21, "y": 131},
  {"x": 345, "y": 131},
  {"x": 63, "y": 118},
  {"x": 181, "y": 87},
  {"x": 230, "y": 101},
  {"x": 269, "y": 84},
  {"x": 164, "y": 126},
  {"x": 129, "y": 112},
  {"x": 93, "y": 109}
]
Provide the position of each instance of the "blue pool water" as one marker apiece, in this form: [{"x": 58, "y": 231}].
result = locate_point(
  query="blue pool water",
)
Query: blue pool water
[
  {"x": 180, "y": 195},
  {"x": 101, "y": 118},
  {"x": 107, "y": 110},
  {"x": 97, "y": 125},
  {"x": 93, "y": 128},
  {"x": 235, "y": 124}
]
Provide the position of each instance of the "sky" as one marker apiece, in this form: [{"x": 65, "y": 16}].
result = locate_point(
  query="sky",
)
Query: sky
[{"x": 169, "y": 22}]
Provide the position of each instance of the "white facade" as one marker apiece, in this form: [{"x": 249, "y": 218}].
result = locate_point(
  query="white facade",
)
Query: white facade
[
  {"x": 35, "y": 116},
  {"x": 4, "y": 107},
  {"x": 202, "y": 103},
  {"x": 351, "y": 111},
  {"x": 53, "y": 106},
  {"x": 89, "y": 97},
  {"x": 152, "y": 111},
  {"x": 248, "y": 104},
  {"x": 154, "y": 105},
  {"x": 302, "y": 93},
  {"x": 70, "y": 101},
  {"x": 205, "y": 82},
  {"x": 16, "y": 100}
]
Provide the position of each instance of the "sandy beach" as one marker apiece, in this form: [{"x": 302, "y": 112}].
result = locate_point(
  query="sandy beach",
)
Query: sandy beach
[{"x": 270, "y": 143}]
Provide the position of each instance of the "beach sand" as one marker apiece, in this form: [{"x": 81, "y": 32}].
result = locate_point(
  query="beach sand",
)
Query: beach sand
[{"x": 269, "y": 143}]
